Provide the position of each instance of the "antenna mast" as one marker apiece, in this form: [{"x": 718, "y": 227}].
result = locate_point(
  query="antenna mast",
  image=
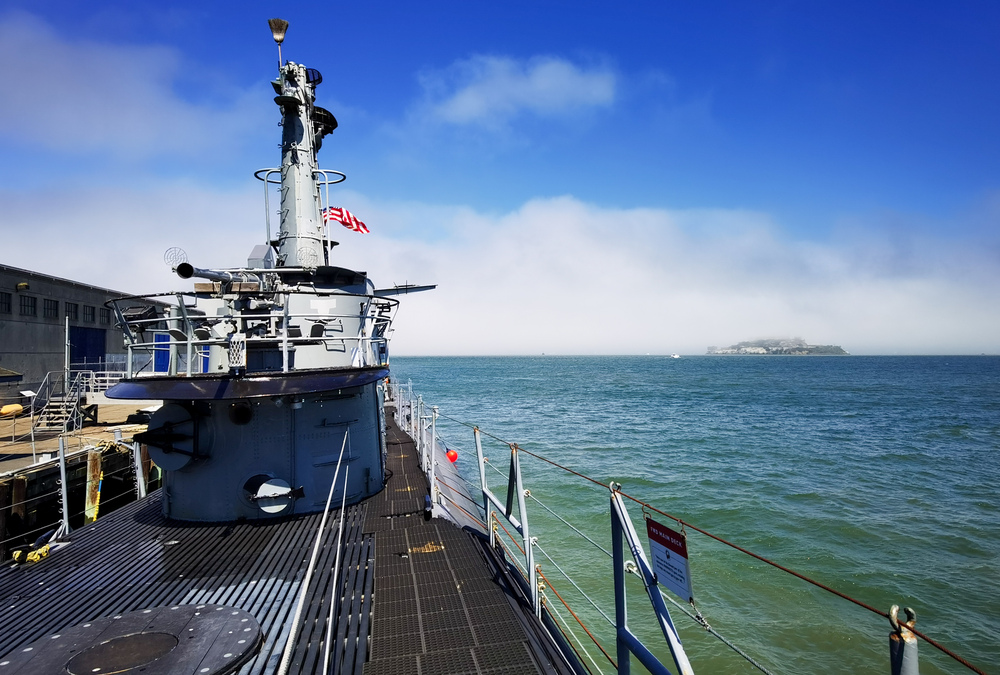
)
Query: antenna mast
[{"x": 278, "y": 28}]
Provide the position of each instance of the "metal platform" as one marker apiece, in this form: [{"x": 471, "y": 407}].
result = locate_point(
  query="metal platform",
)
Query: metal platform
[{"x": 414, "y": 596}]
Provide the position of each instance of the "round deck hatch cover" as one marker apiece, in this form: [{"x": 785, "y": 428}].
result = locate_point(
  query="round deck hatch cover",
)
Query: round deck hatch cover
[
  {"x": 202, "y": 639},
  {"x": 122, "y": 654}
]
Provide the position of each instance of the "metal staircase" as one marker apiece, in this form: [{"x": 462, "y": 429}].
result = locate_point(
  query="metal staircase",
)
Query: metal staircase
[
  {"x": 60, "y": 406},
  {"x": 59, "y": 414}
]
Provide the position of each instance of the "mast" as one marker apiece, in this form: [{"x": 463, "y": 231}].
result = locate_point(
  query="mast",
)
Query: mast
[{"x": 301, "y": 240}]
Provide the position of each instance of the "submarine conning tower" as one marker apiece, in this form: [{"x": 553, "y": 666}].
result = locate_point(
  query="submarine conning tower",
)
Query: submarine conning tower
[
  {"x": 301, "y": 241},
  {"x": 271, "y": 375}
]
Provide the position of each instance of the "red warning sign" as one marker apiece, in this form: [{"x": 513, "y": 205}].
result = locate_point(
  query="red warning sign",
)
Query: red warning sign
[{"x": 670, "y": 559}]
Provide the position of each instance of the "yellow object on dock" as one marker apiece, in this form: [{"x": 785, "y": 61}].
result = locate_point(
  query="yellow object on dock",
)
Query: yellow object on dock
[{"x": 11, "y": 410}]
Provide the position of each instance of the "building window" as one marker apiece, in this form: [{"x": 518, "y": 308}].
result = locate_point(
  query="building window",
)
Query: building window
[
  {"x": 88, "y": 314},
  {"x": 50, "y": 309},
  {"x": 5, "y": 303},
  {"x": 105, "y": 316},
  {"x": 72, "y": 311},
  {"x": 29, "y": 305}
]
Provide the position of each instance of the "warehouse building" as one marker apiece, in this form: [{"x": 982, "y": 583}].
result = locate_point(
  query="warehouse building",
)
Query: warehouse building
[{"x": 35, "y": 310}]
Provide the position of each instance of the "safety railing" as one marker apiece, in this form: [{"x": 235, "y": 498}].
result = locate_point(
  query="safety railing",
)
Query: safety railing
[
  {"x": 85, "y": 509},
  {"x": 502, "y": 510},
  {"x": 200, "y": 334},
  {"x": 324, "y": 179}
]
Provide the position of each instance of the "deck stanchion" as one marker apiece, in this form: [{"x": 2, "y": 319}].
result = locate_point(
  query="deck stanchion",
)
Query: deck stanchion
[
  {"x": 903, "y": 644},
  {"x": 174, "y": 323},
  {"x": 434, "y": 416},
  {"x": 140, "y": 476},
  {"x": 487, "y": 504},
  {"x": 409, "y": 398},
  {"x": 421, "y": 450},
  {"x": 63, "y": 487},
  {"x": 529, "y": 553}
]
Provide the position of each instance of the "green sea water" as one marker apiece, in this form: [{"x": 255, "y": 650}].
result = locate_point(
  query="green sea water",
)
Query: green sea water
[{"x": 877, "y": 476}]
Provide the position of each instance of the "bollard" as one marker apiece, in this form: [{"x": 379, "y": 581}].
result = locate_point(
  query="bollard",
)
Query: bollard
[{"x": 903, "y": 643}]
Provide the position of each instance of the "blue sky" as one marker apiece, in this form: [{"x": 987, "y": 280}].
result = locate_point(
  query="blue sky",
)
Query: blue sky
[{"x": 578, "y": 178}]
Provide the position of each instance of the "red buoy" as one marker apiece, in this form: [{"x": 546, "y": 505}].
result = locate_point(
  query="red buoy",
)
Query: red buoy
[{"x": 452, "y": 455}]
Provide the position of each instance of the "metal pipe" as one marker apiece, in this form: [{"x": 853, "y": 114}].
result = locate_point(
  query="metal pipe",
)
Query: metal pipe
[
  {"x": 621, "y": 605},
  {"x": 420, "y": 432},
  {"x": 529, "y": 553},
  {"x": 140, "y": 477},
  {"x": 66, "y": 348},
  {"x": 435, "y": 496},
  {"x": 173, "y": 322},
  {"x": 63, "y": 487},
  {"x": 409, "y": 386},
  {"x": 284, "y": 334},
  {"x": 903, "y": 644}
]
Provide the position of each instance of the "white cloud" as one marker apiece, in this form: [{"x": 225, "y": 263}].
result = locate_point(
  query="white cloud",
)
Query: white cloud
[
  {"x": 558, "y": 276},
  {"x": 562, "y": 276},
  {"x": 79, "y": 95},
  {"x": 491, "y": 90},
  {"x": 116, "y": 238}
]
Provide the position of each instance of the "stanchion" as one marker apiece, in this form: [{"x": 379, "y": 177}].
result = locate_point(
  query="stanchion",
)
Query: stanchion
[{"x": 903, "y": 643}]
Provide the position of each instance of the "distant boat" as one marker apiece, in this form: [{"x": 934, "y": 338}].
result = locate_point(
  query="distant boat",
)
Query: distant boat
[{"x": 675, "y": 356}]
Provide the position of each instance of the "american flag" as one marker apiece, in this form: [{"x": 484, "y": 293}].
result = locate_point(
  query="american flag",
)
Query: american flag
[{"x": 345, "y": 218}]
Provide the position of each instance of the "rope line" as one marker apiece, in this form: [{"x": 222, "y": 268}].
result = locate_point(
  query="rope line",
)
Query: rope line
[
  {"x": 761, "y": 558},
  {"x": 568, "y": 578},
  {"x": 462, "y": 510},
  {"x": 457, "y": 491},
  {"x": 575, "y": 641},
  {"x": 43, "y": 528},
  {"x": 701, "y": 621},
  {"x": 565, "y": 522},
  {"x": 30, "y": 499},
  {"x": 519, "y": 548},
  {"x": 570, "y": 610}
]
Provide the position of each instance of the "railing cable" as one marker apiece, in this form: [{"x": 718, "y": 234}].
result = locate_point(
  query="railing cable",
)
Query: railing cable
[
  {"x": 761, "y": 558},
  {"x": 703, "y": 622},
  {"x": 573, "y": 641},
  {"x": 570, "y": 579},
  {"x": 570, "y": 610},
  {"x": 567, "y": 524}
]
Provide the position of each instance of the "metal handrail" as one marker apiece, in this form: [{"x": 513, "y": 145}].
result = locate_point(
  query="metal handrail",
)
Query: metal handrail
[
  {"x": 628, "y": 557},
  {"x": 272, "y": 327}
]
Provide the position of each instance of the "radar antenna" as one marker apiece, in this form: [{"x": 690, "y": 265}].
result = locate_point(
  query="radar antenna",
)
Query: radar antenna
[{"x": 174, "y": 256}]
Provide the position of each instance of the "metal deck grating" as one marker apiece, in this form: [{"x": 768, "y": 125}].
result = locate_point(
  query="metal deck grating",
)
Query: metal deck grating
[
  {"x": 414, "y": 596},
  {"x": 134, "y": 559},
  {"x": 439, "y": 604}
]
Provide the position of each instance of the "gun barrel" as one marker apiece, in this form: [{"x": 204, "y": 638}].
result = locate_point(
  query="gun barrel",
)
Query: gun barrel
[{"x": 187, "y": 270}]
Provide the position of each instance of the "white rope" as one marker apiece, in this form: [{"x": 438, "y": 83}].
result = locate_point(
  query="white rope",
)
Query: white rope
[
  {"x": 336, "y": 573},
  {"x": 286, "y": 657}
]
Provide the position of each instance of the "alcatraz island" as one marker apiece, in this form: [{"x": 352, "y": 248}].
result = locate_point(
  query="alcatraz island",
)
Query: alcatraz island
[{"x": 788, "y": 347}]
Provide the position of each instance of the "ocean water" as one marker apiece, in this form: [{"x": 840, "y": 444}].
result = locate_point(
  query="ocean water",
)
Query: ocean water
[{"x": 878, "y": 476}]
